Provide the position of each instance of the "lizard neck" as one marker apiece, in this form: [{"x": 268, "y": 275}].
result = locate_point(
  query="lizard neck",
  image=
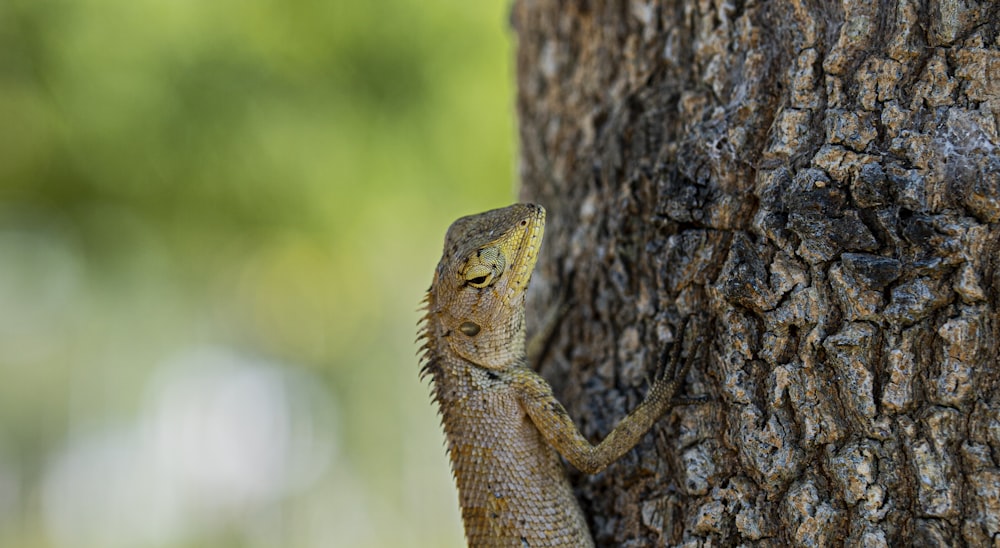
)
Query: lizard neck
[
  {"x": 445, "y": 365},
  {"x": 500, "y": 346}
]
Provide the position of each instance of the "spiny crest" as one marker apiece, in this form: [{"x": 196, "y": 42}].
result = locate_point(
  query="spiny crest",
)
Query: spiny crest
[
  {"x": 426, "y": 350},
  {"x": 428, "y": 358}
]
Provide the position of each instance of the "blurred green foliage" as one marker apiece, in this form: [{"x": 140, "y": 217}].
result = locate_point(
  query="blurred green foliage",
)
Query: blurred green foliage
[{"x": 269, "y": 177}]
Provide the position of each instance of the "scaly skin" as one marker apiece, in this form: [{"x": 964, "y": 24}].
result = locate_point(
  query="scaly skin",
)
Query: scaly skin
[{"x": 504, "y": 427}]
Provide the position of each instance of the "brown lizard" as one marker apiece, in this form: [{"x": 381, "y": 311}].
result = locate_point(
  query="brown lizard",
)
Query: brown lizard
[{"x": 505, "y": 429}]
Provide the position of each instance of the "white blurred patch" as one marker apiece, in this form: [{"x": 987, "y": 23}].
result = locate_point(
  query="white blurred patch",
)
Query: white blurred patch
[{"x": 221, "y": 439}]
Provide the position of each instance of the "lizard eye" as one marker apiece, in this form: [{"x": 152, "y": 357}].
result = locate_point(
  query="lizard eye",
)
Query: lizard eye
[
  {"x": 479, "y": 276},
  {"x": 484, "y": 267}
]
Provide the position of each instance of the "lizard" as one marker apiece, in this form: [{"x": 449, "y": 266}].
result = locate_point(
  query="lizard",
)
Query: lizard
[{"x": 504, "y": 427}]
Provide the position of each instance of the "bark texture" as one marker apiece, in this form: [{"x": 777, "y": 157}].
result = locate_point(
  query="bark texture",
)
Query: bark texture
[{"x": 822, "y": 181}]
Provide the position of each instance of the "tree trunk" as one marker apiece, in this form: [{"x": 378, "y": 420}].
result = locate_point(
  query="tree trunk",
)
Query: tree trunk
[{"x": 820, "y": 180}]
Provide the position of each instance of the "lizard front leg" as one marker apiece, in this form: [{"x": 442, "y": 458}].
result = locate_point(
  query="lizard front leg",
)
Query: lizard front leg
[{"x": 558, "y": 429}]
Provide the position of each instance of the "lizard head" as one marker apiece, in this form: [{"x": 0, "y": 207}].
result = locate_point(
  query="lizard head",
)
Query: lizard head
[{"x": 475, "y": 306}]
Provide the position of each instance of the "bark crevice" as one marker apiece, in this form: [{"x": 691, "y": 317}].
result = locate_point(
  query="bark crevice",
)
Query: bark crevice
[{"x": 822, "y": 180}]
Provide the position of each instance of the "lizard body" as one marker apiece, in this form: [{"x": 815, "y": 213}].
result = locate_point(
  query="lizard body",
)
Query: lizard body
[{"x": 504, "y": 427}]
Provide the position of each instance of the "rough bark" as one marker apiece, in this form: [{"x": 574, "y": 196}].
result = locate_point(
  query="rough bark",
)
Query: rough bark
[{"x": 822, "y": 181}]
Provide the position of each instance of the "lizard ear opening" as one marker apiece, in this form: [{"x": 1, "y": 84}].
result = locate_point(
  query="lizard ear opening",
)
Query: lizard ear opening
[{"x": 470, "y": 329}]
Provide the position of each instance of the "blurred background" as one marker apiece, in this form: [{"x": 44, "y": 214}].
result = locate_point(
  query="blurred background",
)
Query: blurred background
[{"x": 217, "y": 220}]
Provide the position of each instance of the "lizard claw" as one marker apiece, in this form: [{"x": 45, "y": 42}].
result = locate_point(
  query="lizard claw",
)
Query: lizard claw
[
  {"x": 671, "y": 370},
  {"x": 668, "y": 360}
]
